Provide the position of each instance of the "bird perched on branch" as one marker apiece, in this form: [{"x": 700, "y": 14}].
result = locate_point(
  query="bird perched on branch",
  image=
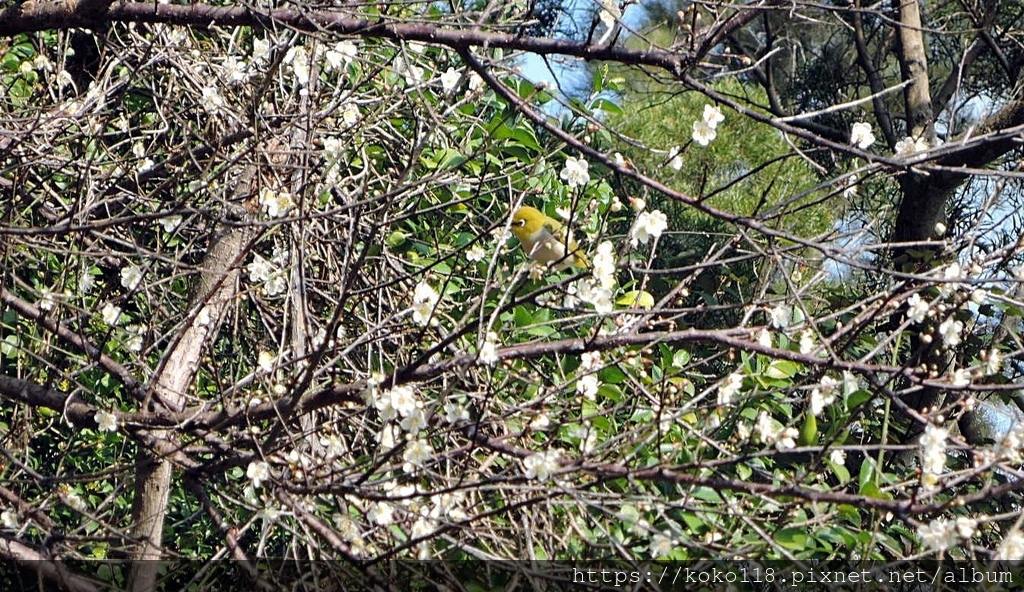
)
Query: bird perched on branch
[{"x": 544, "y": 240}]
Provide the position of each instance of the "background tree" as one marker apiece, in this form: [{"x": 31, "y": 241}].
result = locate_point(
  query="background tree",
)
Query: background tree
[{"x": 259, "y": 298}]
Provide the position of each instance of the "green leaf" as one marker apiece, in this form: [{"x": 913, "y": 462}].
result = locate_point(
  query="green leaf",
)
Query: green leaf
[
  {"x": 636, "y": 299},
  {"x": 793, "y": 539},
  {"x": 782, "y": 369}
]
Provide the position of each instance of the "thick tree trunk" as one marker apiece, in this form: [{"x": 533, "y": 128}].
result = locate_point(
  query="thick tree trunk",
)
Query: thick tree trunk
[{"x": 217, "y": 290}]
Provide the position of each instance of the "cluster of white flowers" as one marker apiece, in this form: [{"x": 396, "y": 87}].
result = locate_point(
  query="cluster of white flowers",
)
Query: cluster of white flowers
[
  {"x": 276, "y": 203},
  {"x": 488, "y": 350},
  {"x": 424, "y": 299},
  {"x": 9, "y": 519},
  {"x": 941, "y": 534},
  {"x": 908, "y": 146},
  {"x": 604, "y": 265},
  {"x": 341, "y": 55},
  {"x": 729, "y": 388},
  {"x": 297, "y": 60},
  {"x": 592, "y": 292},
  {"x": 542, "y": 465},
  {"x": 71, "y": 498},
  {"x": 705, "y": 128},
  {"x": 933, "y": 456},
  {"x": 407, "y": 70},
  {"x": 648, "y": 225},
  {"x": 576, "y": 172},
  {"x": 823, "y": 394},
  {"x": 784, "y": 438},
  {"x": 270, "y": 273}
]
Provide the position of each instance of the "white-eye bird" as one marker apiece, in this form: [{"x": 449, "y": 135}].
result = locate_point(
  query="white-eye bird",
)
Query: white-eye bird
[{"x": 544, "y": 240}]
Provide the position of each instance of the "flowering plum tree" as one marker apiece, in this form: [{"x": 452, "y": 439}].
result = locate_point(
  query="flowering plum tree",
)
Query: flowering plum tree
[{"x": 260, "y": 299}]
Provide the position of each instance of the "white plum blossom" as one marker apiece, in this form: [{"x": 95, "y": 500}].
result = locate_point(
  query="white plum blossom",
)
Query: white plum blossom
[
  {"x": 416, "y": 454},
  {"x": 675, "y": 158},
  {"x": 260, "y": 50},
  {"x": 917, "y": 308},
  {"x": 938, "y": 535},
  {"x": 415, "y": 421},
  {"x": 488, "y": 351},
  {"x": 648, "y": 225},
  {"x": 476, "y": 253},
  {"x": 823, "y": 395},
  {"x": 234, "y": 70},
  {"x": 728, "y": 389},
  {"x": 411, "y": 72},
  {"x": 276, "y": 203},
  {"x": 131, "y": 277},
  {"x": 71, "y": 498},
  {"x": 786, "y": 439},
  {"x": 424, "y": 299},
  {"x": 454, "y": 413},
  {"x": 111, "y": 314},
  {"x": 908, "y": 146},
  {"x": 258, "y": 471},
  {"x": 381, "y": 513},
  {"x": 297, "y": 58},
  {"x": 9, "y": 519},
  {"x": 960, "y": 378},
  {"x": 449, "y": 79},
  {"x": 600, "y": 298},
  {"x": 590, "y": 360},
  {"x": 403, "y": 399},
  {"x": 86, "y": 282},
  {"x": 993, "y": 361},
  {"x": 588, "y": 386},
  {"x": 576, "y": 172},
  {"x": 350, "y": 114},
  {"x": 703, "y": 133},
  {"x": 212, "y": 100},
  {"x": 807, "y": 341},
  {"x": 542, "y": 465},
  {"x": 1012, "y": 547},
  {"x": 604, "y": 265},
  {"x": 712, "y": 115},
  {"x": 781, "y": 316},
  {"x": 266, "y": 361},
  {"x": 106, "y": 421},
  {"x": 340, "y": 55},
  {"x": 661, "y": 545},
  {"x": 838, "y": 457},
  {"x": 861, "y": 135},
  {"x": 171, "y": 223},
  {"x": 950, "y": 330},
  {"x": 933, "y": 455}
]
